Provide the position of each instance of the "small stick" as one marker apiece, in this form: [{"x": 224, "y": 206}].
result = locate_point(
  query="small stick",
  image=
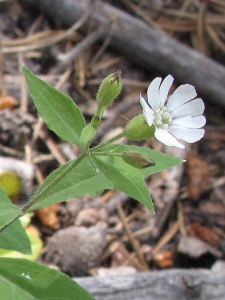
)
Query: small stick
[
  {"x": 169, "y": 234},
  {"x": 52, "y": 147},
  {"x": 131, "y": 237}
]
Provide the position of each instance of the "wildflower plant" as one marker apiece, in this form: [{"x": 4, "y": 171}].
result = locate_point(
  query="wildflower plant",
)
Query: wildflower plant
[{"x": 105, "y": 166}]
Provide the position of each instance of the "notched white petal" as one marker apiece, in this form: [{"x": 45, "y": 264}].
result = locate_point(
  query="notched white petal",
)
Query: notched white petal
[
  {"x": 147, "y": 111},
  {"x": 164, "y": 89},
  {"x": 193, "y": 108},
  {"x": 189, "y": 122},
  {"x": 153, "y": 93},
  {"x": 166, "y": 138},
  {"x": 189, "y": 135},
  {"x": 181, "y": 95}
]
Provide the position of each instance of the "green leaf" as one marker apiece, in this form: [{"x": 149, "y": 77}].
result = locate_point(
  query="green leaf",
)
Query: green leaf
[
  {"x": 36, "y": 246},
  {"x": 22, "y": 279},
  {"x": 14, "y": 237},
  {"x": 162, "y": 161},
  {"x": 59, "y": 111},
  {"x": 8, "y": 210},
  {"x": 81, "y": 180},
  {"x": 126, "y": 178},
  {"x": 87, "y": 133}
]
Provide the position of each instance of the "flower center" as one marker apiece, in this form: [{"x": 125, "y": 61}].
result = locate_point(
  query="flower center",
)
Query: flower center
[{"x": 162, "y": 118}]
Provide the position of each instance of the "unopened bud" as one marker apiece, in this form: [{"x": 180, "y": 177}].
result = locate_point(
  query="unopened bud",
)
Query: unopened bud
[
  {"x": 137, "y": 129},
  {"x": 137, "y": 159},
  {"x": 109, "y": 89},
  {"x": 95, "y": 121}
]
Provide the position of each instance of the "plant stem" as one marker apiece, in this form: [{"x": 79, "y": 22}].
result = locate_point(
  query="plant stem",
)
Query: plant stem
[
  {"x": 106, "y": 154},
  {"x": 115, "y": 138},
  {"x": 48, "y": 187}
]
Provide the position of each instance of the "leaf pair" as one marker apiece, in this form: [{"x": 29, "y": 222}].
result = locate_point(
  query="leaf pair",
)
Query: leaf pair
[
  {"x": 128, "y": 178},
  {"x": 96, "y": 173}
]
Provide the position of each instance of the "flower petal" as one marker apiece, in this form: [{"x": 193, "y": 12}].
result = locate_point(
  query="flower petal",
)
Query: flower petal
[
  {"x": 164, "y": 89},
  {"x": 153, "y": 93},
  {"x": 166, "y": 138},
  {"x": 147, "y": 111},
  {"x": 193, "y": 108},
  {"x": 189, "y": 122},
  {"x": 182, "y": 94},
  {"x": 189, "y": 135}
]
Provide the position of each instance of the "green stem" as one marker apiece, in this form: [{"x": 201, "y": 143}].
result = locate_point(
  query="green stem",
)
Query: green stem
[
  {"x": 115, "y": 138},
  {"x": 106, "y": 154},
  {"x": 48, "y": 187}
]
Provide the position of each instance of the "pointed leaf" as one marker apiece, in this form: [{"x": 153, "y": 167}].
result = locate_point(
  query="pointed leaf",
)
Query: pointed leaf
[
  {"x": 22, "y": 279},
  {"x": 162, "y": 161},
  {"x": 126, "y": 178},
  {"x": 58, "y": 110},
  {"x": 8, "y": 210},
  {"x": 35, "y": 243},
  {"x": 15, "y": 238},
  {"x": 81, "y": 180}
]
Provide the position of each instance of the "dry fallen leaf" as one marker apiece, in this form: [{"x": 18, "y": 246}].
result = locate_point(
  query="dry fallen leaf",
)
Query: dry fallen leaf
[
  {"x": 205, "y": 234},
  {"x": 48, "y": 216},
  {"x": 198, "y": 176},
  {"x": 165, "y": 259},
  {"x": 8, "y": 102}
]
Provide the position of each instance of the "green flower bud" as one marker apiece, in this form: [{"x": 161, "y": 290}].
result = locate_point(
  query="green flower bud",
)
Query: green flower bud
[
  {"x": 137, "y": 129},
  {"x": 109, "y": 89},
  {"x": 95, "y": 121},
  {"x": 137, "y": 159}
]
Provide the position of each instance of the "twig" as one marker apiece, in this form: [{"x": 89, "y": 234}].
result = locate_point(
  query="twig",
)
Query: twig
[
  {"x": 140, "y": 232},
  {"x": 102, "y": 65},
  {"x": 180, "y": 216},
  {"x": 141, "y": 13},
  {"x": 10, "y": 47},
  {"x": 52, "y": 147},
  {"x": 146, "y": 46},
  {"x": 67, "y": 58},
  {"x": 131, "y": 237},
  {"x": 161, "y": 219},
  {"x": 24, "y": 96},
  {"x": 11, "y": 152},
  {"x": 168, "y": 235},
  {"x": 104, "y": 45},
  {"x": 201, "y": 42},
  {"x": 214, "y": 37}
]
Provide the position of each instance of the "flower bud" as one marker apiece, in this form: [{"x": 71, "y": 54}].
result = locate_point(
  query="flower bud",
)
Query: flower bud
[
  {"x": 109, "y": 89},
  {"x": 95, "y": 121},
  {"x": 137, "y": 159},
  {"x": 137, "y": 129}
]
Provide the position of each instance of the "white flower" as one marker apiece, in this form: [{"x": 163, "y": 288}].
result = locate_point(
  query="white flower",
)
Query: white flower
[{"x": 176, "y": 117}]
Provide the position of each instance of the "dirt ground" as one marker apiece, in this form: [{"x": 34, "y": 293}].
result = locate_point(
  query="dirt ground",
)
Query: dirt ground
[{"x": 111, "y": 233}]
